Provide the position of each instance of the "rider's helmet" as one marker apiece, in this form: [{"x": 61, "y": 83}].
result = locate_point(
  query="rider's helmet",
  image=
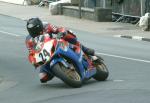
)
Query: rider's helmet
[{"x": 34, "y": 27}]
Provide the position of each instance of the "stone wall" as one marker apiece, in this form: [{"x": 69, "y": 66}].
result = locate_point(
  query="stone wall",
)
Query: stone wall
[{"x": 97, "y": 14}]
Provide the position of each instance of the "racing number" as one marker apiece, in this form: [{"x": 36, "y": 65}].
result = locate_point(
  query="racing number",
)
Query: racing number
[{"x": 44, "y": 54}]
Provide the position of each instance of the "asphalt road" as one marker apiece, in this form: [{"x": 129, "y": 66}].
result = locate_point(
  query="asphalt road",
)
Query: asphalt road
[{"x": 127, "y": 60}]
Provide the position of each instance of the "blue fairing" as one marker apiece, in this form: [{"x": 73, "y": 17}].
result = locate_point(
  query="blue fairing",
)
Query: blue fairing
[{"x": 76, "y": 58}]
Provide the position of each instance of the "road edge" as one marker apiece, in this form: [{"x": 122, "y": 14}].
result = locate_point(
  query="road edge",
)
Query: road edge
[{"x": 134, "y": 37}]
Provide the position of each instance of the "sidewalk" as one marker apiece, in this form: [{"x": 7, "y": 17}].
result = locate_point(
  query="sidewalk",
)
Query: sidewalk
[{"x": 100, "y": 28}]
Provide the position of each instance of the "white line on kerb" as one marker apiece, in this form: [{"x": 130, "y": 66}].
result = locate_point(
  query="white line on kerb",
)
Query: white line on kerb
[
  {"x": 137, "y": 37},
  {"x": 12, "y": 34},
  {"x": 139, "y": 60}
]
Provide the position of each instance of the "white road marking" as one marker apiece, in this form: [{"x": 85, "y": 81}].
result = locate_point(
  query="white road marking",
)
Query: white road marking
[
  {"x": 122, "y": 57},
  {"x": 117, "y": 35},
  {"x": 11, "y": 34},
  {"x": 118, "y": 80}
]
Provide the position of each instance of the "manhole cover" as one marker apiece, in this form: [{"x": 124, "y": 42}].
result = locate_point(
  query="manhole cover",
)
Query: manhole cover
[{"x": 6, "y": 84}]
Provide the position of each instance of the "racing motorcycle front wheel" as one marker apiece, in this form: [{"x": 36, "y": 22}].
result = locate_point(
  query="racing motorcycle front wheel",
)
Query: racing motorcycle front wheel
[{"x": 69, "y": 75}]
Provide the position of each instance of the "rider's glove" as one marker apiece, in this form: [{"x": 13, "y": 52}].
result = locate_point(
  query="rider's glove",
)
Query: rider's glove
[{"x": 61, "y": 34}]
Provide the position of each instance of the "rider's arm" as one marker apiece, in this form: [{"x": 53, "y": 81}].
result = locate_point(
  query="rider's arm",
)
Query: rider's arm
[
  {"x": 48, "y": 28},
  {"x": 29, "y": 43}
]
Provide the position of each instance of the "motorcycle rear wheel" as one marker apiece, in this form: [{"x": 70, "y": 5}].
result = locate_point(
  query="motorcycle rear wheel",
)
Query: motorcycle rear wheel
[
  {"x": 69, "y": 75},
  {"x": 101, "y": 73}
]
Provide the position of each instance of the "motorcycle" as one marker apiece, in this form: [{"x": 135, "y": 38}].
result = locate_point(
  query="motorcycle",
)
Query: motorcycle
[{"x": 70, "y": 64}]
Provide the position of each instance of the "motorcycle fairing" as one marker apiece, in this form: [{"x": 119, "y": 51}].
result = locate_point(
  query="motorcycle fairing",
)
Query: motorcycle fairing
[{"x": 76, "y": 58}]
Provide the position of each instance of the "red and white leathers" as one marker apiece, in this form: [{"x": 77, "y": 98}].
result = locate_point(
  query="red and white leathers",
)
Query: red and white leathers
[{"x": 49, "y": 29}]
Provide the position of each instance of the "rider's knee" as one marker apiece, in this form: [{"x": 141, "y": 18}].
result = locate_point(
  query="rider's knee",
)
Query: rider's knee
[{"x": 44, "y": 77}]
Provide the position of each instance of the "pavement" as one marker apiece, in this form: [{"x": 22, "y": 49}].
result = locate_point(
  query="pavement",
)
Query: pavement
[{"x": 101, "y": 28}]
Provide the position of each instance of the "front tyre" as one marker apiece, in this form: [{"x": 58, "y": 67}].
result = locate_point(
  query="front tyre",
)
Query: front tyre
[
  {"x": 69, "y": 75},
  {"x": 101, "y": 73}
]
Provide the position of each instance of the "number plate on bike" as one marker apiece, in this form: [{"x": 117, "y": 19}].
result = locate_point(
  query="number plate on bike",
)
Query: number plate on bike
[{"x": 44, "y": 55}]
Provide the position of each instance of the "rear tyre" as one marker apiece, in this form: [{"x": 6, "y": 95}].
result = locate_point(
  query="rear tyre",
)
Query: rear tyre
[
  {"x": 101, "y": 73},
  {"x": 69, "y": 75}
]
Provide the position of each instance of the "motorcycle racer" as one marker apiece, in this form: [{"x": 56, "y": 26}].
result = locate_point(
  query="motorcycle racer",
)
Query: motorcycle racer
[{"x": 36, "y": 27}]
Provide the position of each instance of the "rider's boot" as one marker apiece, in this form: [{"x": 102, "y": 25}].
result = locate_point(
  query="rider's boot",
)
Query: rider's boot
[
  {"x": 44, "y": 77},
  {"x": 88, "y": 51},
  {"x": 44, "y": 74}
]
